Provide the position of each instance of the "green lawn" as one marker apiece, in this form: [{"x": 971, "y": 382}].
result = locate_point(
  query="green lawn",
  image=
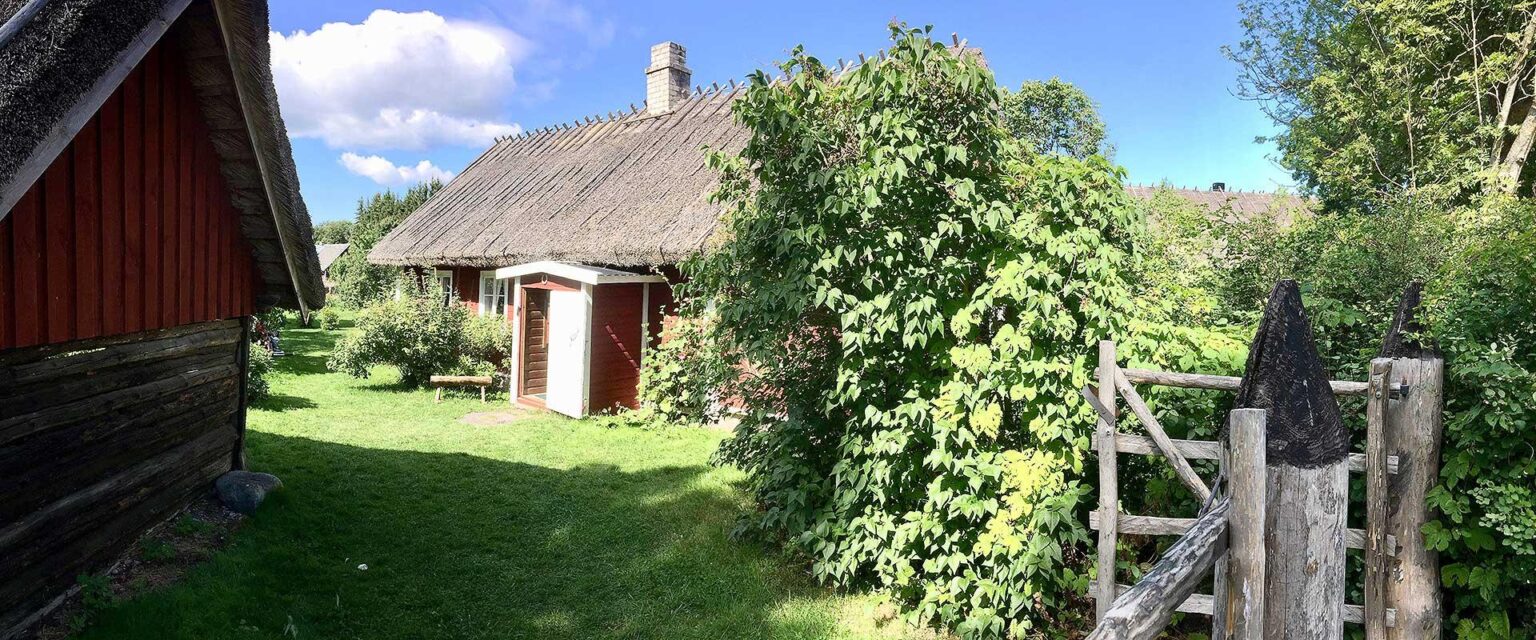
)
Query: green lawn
[{"x": 542, "y": 528}]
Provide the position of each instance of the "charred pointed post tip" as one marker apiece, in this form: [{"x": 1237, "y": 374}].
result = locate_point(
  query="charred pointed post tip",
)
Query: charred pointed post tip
[
  {"x": 1402, "y": 339},
  {"x": 1285, "y": 377}
]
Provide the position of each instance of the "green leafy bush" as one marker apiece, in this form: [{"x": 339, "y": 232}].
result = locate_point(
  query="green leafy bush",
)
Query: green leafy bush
[
  {"x": 258, "y": 368},
  {"x": 421, "y": 337},
  {"x": 330, "y": 319},
  {"x": 918, "y": 298},
  {"x": 683, "y": 377}
]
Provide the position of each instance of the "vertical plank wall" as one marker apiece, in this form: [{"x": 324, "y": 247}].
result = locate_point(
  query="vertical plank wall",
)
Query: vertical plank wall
[
  {"x": 616, "y": 334},
  {"x": 122, "y": 273},
  {"x": 131, "y": 228}
]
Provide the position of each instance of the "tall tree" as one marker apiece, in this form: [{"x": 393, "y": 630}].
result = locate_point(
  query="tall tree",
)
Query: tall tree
[
  {"x": 1054, "y": 117},
  {"x": 333, "y": 232},
  {"x": 1377, "y": 97},
  {"x": 357, "y": 281}
]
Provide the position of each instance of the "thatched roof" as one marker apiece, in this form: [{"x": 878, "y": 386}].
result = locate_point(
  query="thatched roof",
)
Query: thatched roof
[
  {"x": 1241, "y": 205},
  {"x": 630, "y": 190},
  {"x": 328, "y": 253},
  {"x": 61, "y": 59}
]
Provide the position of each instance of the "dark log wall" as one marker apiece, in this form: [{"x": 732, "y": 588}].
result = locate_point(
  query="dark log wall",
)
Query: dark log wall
[
  {"x": 102, "y": 438},
  {"x": 131, "y": 228}
]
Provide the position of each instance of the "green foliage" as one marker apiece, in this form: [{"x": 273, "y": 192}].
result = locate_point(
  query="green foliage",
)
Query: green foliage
[
  {"x": 157, "y": 551},
  {"x": 1381, "y": 96},
  {"x": 329, "y": 318},
  {"x": 95, "y": 596},
  {"x": 1477, "y": 262},
  {"x": 1054, "y": 117},
  {"x": 274, "y": 318},
  {"x": 258, "y": 369},
  {"x": 682, "y": 377},
  {"x": 359, "y": 283},
  {"x": 917, "y": 296},
  {"x": 422, "y": 337},
  {"x": 334, "y": 232}
]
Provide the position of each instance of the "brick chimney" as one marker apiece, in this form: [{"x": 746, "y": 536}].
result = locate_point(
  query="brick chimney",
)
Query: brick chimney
[{"x": 666, "y": 80}]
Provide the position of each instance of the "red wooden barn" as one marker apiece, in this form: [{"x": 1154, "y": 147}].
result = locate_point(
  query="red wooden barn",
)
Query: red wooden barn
[{"x": 148, "y": 206}]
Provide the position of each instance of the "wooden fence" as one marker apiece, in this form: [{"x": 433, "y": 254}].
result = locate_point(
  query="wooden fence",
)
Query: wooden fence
[{"x": 1266, "y": 528}]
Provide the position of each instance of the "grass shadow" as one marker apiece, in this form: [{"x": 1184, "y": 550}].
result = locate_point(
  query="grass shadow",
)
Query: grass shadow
[
  {"x": 461, "y": 546},
  {"x": 283, "y": 402}
]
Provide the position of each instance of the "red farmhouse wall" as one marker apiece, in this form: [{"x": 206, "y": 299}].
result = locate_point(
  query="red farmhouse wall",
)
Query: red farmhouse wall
[{"x": 131, "y": 227}]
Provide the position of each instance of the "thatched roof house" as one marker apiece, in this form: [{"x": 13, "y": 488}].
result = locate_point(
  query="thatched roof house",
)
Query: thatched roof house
[
  {"x": 590, "y": 209},
  {"x": 60, "y": 60}
]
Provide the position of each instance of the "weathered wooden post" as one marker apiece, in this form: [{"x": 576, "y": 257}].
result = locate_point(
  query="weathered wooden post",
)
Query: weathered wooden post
[
  {"x": 1241, "y": 603},
  {"x": 1109, "y": 481},
  {"x": 1307, "y": 449},
  {"x": 1414, "y": 424}
]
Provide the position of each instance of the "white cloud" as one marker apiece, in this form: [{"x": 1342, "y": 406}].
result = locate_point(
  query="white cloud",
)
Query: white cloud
[
  {"x": 398, "y": 80},
  {"x": 389, "y": 174}
]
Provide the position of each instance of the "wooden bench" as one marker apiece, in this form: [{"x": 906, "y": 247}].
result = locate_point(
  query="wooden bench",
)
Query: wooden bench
[{"x": 484, "y": 382}]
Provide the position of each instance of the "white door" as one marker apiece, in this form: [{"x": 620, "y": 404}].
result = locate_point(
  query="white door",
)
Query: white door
[{"x": 569, "y": 327}]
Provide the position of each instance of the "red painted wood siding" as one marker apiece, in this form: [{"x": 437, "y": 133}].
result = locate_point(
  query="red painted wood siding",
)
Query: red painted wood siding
[
  {"x": 131, "y": 228},
  {"x": 616, "y": 335}
]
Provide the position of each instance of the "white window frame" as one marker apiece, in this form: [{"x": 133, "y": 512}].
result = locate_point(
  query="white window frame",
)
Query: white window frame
[
  {"x": 499, "y": 291},
  {"x": 443, "y": 278}
]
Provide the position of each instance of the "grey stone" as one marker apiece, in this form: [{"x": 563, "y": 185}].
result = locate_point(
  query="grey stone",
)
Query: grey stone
[{"x": 244, "y": 491}]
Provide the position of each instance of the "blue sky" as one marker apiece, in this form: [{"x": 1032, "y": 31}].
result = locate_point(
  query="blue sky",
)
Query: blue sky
[{"x": 379, "y": 93}]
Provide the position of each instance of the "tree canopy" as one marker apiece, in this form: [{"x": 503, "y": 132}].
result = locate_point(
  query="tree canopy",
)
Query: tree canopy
[
  {"x": 1054, "y": 117},
  {"x": 357, "y": 281},
  {"x": 1377, "y": 97}
]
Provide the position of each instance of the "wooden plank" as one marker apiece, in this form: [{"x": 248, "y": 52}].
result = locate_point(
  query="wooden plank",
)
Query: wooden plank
[
  {"x": 87, "y": 254},
  {"x": 1143, "y": 612},
  {"x": 1241, "y": 616},
  {"x": 462, "y": 381},
  {"x": 1200, "y": 604},
  {"x": 198, "y": 237},
  {"x": 1377, "y": 561},
  {"x": 111, "y": 163},
  {"x": 1160, "y": 526},
  {"x": 133, "y": 202},
  {"x": 7, "y": 298},
  {"x": 1109, "y": 481},
  {"x": 170, "y": 195},
  {"x": 1211, "y": 450},
  {"x": 30, "y": 260},
  {"x": 58, "y": 201},
  {"x": 1181, "y": 466},
  {"x": 186, "y": 198},
  {"x": 243, "y": 362},
  {"x": 1414, "y": 431},
  {"x": 1230, "y": 383},
  {"x": 153, "y": 210}
]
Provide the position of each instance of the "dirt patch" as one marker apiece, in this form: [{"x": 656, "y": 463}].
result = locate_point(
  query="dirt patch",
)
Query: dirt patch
[
  {"x": 160, "y": 558},
  {"x": 494, "y": 418}
]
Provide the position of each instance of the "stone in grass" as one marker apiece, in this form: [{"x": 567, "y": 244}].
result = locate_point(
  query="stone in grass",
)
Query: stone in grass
[
  {"x": 1285, "y": 377},
  {"x": 244, "y": 491}
]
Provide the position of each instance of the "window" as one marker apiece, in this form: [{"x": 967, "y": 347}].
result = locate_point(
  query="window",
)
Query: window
[
  {"x": 493, "y": 294},
  {"x": 444, "y": 285}
]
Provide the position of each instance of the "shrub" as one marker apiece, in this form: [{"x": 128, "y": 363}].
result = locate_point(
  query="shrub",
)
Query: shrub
[
  {"x": 919, "y": 298},
  {"x": 421, "y": 337},
  {"x": 329, "y": 319},
  {"x": 683, "y": 377},
  {"x": 258, "y": 368}
]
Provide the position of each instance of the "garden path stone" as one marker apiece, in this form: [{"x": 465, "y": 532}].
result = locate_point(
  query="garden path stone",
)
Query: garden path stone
[{"x": 244, "y": 491}]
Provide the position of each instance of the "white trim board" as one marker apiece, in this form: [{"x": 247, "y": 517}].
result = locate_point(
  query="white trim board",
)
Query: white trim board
[{"x": 585, "y": 274}]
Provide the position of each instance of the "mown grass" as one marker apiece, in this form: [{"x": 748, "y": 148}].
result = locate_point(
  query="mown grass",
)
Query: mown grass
[{"x": 541, "y": 528}]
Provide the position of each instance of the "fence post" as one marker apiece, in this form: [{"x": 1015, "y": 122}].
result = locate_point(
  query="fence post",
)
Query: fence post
[
  {"x": 1109, "y": 479},
  {"x": 1377, "y": 557},
  {"x": 1414, "y": 433},
  {"x": 1242, "y": 598}
]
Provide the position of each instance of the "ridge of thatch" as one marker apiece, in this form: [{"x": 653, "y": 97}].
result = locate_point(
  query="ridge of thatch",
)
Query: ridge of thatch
[{"x": 61, "y": 62}]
